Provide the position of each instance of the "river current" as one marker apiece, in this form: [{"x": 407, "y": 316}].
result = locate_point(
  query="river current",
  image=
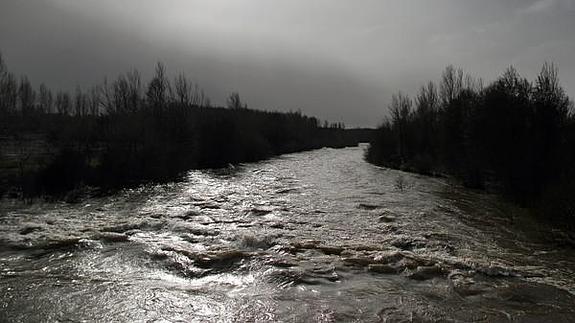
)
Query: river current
[{"x": 319, "y": 236}]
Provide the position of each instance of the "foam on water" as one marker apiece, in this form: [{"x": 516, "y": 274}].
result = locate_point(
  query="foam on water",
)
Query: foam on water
[{"x": 315, "y": 236}]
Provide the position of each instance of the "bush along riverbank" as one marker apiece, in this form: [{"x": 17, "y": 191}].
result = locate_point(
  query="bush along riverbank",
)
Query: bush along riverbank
[
  {"x": 513, "y": 136},
  {"x": 123, "y": 133}
]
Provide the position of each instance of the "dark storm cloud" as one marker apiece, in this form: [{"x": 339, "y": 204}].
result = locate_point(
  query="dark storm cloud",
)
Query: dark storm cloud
[{"x": 337, "y": 59}]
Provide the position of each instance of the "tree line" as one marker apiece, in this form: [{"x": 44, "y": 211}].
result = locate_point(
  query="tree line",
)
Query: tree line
[
  {"x": 126, "y": 131},
  {"x": 513, "y": 136}
]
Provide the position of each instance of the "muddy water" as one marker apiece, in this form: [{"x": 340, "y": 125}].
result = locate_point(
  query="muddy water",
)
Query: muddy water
[{"x": 318, "y": 236}]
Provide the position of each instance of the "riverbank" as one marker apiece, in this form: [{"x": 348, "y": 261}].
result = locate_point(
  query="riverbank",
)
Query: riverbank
[
  {"x": 512, "y": 136},
  {"x": 125, "y": 132},
  {"x": 55, "y": 155}
]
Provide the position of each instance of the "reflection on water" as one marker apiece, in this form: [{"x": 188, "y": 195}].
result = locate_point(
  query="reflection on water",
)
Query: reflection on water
[{"x": 315, "y": 236}]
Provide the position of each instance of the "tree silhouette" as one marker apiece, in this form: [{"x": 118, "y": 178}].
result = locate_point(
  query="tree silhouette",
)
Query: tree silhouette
[
  {"x": 119, "y": 134},
  {"x": 158, "y": 88},
  {"x": 234, "y": 101},
  {"x": 513, "y": 136}
]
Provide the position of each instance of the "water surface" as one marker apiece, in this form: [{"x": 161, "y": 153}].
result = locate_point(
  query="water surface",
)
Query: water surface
[{"x": 317, "y": 236}]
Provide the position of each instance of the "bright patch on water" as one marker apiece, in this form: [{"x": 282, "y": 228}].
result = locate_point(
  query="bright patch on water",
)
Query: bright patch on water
[{"x": 317, "y": 236}]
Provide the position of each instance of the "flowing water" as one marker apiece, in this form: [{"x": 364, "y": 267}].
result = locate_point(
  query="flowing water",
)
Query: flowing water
[{"x": 317, "y": 236}]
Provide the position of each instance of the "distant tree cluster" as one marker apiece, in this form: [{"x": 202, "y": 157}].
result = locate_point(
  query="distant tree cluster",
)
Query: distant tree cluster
[
  {"x": 513, "y": 135},
  {"x": 128, "y": 131},
  {"x": 127, "y": 94}
]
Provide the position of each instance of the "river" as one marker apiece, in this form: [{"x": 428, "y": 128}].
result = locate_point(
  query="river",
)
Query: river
[{"x": 319, "y": 236}]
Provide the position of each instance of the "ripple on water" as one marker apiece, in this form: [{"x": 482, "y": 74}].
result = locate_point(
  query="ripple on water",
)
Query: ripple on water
[{"x": 314, "y": 236}]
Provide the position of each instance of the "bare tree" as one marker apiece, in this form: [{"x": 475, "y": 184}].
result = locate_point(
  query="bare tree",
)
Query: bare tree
[
  {"x": 183, "y": 90},
  {"x": 27, "y": 96},
  {"x": 121, "y": 95},
  {"x": 473, "y": 83},
  {"x": 196, "y": 96},
  {"x": 45, "y": 99},
  {"x": 400, "y": 107},
  {"x": 134, "y": 90},
  {"x": 94, "y": 101},
  {"x": 234, "y": 101},
  {"x": 427, "y": 100},
  {"x": 451, "y": 84},
  {"x": 80, "y": 103},
  {"x": 63, "y": 103},
  {"x": 3, "y": 68},
  {"x": 401, "y": 115},
  {"x": 159, "y": 88},
  {"x": 204, "y": 100},
  {"x": 106, "y": 97},
  {"x": 549, "y": 94},
  {"x": 9, "y": 93}
]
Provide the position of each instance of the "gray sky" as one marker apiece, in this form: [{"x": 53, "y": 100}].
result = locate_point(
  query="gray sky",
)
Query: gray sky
[{"x": 336, "y": 59}]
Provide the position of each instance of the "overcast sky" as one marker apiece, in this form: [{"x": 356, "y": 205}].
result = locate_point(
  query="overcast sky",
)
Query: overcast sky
[{"x": 336, "y": 59}]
